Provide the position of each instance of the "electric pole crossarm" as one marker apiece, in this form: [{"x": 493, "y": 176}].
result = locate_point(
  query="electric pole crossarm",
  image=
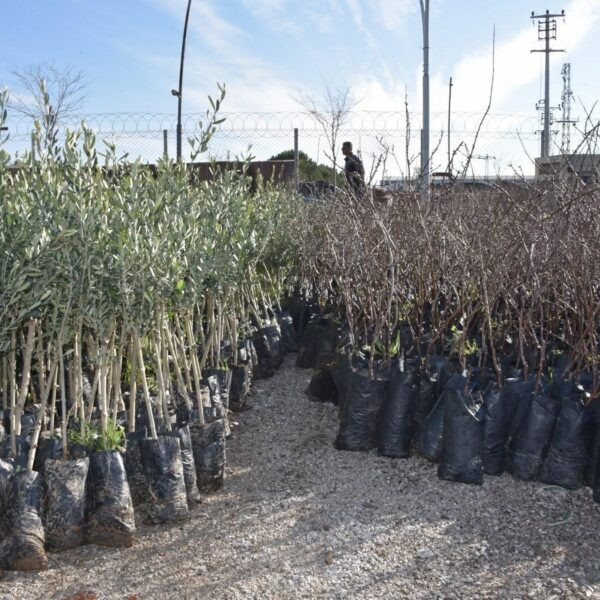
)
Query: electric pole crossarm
[
  {"x": 549, "y": 50},
  {"x": 547, "y": 15}
]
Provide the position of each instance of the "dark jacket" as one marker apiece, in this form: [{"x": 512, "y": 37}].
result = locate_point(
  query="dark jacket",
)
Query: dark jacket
[{"x": 355, "y": 173}]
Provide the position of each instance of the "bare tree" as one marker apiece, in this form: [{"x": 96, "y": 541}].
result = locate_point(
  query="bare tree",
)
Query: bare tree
[
  {"x": 49, "y": 95},
  {"x": 330, "y": 112}
]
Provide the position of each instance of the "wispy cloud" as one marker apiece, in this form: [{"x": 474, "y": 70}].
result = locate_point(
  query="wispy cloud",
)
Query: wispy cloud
[
  {"x": 221, "y": 52},
  {"x": 515, "y": 66},
  {"x": 392, "y": 15}
]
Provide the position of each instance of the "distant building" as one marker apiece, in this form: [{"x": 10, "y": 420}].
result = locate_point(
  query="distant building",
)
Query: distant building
[{"x": 569, "y": 168}]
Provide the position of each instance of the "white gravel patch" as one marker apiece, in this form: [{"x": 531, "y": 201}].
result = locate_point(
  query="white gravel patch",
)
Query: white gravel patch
[{"x": 298, "y": 519}]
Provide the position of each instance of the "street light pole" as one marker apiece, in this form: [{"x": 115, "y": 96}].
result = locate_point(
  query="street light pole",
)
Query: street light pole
[
  {"x": 425, "y": 166},
  {"x": 179, "y": 92}
]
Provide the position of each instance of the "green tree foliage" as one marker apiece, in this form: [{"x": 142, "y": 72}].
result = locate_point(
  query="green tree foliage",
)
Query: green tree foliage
[{"x": 309, "y": 169}]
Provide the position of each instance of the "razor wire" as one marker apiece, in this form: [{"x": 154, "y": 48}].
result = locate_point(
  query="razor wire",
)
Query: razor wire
[{"x": 506, "y": 142}]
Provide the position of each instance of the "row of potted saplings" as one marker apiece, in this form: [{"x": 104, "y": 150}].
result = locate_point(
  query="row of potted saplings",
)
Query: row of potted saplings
[
  {"x": 49, "y": 501},
  {"x": 540, "y": 428}
]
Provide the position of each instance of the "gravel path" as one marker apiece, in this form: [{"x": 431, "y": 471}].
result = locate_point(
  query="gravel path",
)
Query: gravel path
[{"x": 298, "y": 519}]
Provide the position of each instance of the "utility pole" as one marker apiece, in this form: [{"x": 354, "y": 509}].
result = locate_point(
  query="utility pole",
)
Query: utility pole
[
  {"x": 296, "y": 161},
  {"x": 566, "y": 121},
  {"x": 449, "y": 126},
  {"x": 425, "y": 159},
  {"x": 179, "y": 92},
  {"x": 547, "y": 32},
  {"x": 486, "y": 158}
]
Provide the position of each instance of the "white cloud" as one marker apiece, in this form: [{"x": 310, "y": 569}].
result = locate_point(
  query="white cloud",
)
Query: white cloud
[
  {"x": 392, "y": 14},
  {"x": 516, "y": 66}
]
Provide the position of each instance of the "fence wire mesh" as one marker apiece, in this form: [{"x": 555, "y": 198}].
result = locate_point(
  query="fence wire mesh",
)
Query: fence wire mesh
[{"x": 388, "y": 142}]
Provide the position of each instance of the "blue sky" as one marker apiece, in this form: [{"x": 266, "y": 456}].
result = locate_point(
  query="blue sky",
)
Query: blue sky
[
  {"x": 268, "y": 50},
  {"x": 265, "y": 50}
]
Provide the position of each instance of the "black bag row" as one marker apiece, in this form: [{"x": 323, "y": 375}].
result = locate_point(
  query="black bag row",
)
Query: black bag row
[
  {"x": 91, "y": 497},
  {"x": 533, "y": 430}
]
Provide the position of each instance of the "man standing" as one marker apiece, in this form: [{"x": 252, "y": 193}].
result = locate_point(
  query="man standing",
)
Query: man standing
[{"x": 353, "y": 169}]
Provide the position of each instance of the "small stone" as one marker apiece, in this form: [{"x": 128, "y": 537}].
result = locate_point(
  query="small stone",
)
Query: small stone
[
  {"x": 329, "y": 557},
  {"x": 425, "y": 553}
]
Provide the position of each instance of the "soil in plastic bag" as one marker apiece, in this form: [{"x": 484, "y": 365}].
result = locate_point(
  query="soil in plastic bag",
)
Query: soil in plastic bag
[
  {"x": 223, "y": 377},
  {"x": 240, "y": 386},
  {"x": 596, "y": 487},
  {"x": 252, "y": 357},
  {"x": 136, "y": 477},
  {"x": 79, "y": 451},
  {"x": 4, "y": 427},
  {"x": 426, "y": 400},
  {"x": 289, "y": 337},
  {"x": 266, "y": 363},
  {"x": 397, "y": 415},
  {"x": 109, "y": 512},
  {"x": 361, "y": 412},
  {"x": 320, "y": 337},
  {"x": 341, "y": 374},
  {"x": 189, "y": 465},
  {"x": 208, "y": 442},
  {"x": 567, "y": 454},
  {"x": 166, "y": 496},
  {"x": 23, "y": 546},
  {"x": 64, "y": 483},
  {"x": 429, "y": 439},
  {"x": 27, "y": 424},
  {"x": 49, "y": 448},
  {"x": 216, "y": 409},
  {"x": 297, "y": 307},
  {"x": 6, "y": 472},
  {"x": 593, "y": 450},
  {"x": 322, "y": 387},
  {"x": 498, "y": 409},
  {"x": 462, "y": 438},
  {"x": 22, "y": 444},
  {"x": 302, "y": 311},
  {"x": 529, "y": 445},
  {"x": 273, "y": 335}
]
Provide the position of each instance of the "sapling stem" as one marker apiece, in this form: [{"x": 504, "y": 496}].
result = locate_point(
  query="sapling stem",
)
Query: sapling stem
[
  {"x": 140, "y": 362},
  {"x": 27, "y": 353},
  {"x": 116, "y": 377},
  {"x": 180, "y": 341},
  {"x": 180, "y": 382},
  {"x": 132, "y": 387},
  {"x": 13, "y": 393},
  {"x": 5, "y": 384},
  {"x": 195, "y": 369},
  {"x": 162, "y": 397},
  {"x": 78, "y": 368},
  {"x": 63, "y": 398},
  {"x": 211, "y": 333},
  {"x": 91, "y": 401},
  {"x": 41, "y": 360},
  {"x": 40, "y": 417},
  {"x": 53, "y": 402},
  {"x": 234, "y": 337}
]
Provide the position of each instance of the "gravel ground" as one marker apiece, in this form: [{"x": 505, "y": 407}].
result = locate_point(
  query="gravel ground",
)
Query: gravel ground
[{"x": 298, "y": 519}]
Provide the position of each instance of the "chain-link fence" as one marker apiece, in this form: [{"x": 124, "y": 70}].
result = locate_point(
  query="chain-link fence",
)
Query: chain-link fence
[{"x": 388, "y": 142}]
